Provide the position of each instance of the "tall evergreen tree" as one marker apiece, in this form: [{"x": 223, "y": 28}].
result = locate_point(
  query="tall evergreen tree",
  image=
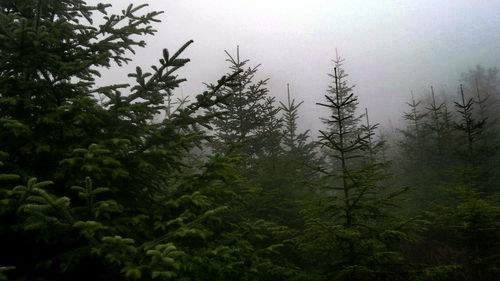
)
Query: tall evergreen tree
[
  {"x": 482, "y": 85},
  {"x": 351, "y": 232},
  {"x": 414, "y": 155},
  {"x": 466, "y": 220},
  {"x": 471, "y": 128},
  {"x": 344, "y": 90},
  {"x": 244, "y": 109},
  {"x": 295, "y": 144},
  {"x": 97, "y": 187},
  {"x": 415, "y": 132},
  {"x": 375, "y": 146}
]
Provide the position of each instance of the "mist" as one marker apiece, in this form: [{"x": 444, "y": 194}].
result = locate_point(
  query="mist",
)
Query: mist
[
  {"x": 391, "y": 48},
  {"x": 250, "y": 140}
]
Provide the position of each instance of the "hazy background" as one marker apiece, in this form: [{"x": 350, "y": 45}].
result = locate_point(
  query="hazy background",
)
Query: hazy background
[{"x": 390, "y": 47}]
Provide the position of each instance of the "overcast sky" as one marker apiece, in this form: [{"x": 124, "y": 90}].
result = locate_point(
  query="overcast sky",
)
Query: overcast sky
[{"x": 390, "y": 47}]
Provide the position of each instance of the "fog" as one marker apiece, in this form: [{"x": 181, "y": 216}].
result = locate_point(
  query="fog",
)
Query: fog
[
  {"x": 390, "y": 47},
  {"x": 104, "y": 180}
]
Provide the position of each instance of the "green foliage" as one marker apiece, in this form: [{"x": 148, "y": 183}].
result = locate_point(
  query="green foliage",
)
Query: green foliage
[
  {"x": 3, "y": 269},
  {"x": 96, "y": 185},
  {"x": 118, "y": 196},
  {"x": 247, "y": 116},
  {"x": 471, "y": 223},
  {"x": 351, "y": 232},
  {"x": 456, "y": 188},
  {"x": 298, "y": 150}
]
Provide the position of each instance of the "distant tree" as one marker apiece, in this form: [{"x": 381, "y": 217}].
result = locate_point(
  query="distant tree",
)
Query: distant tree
[
  {"x": 471, "y": 128},
  {"x": 351, "y": 233},
  {"x": 283, "y": 167},
  {"x": 434, "y": 111},
  {"x": 416, "y": 149},
  {"x": 244, "y": 111},
  {"x": 483, "y": 86},
  {"x": 344, "y": 90},
  {"x": 296, "y": 145},
  {"x": 375, "y": 146},
  {"x": 440, "y": 142},
  {"x": 467, "y": 219},
  {"x": 270, "y": 134},
  {"x": 415, "y": 133}
]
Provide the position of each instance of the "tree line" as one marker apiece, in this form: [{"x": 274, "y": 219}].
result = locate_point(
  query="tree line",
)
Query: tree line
[{"x": 128, "y": 181}]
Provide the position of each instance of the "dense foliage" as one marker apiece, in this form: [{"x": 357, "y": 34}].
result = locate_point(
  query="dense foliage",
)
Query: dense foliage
[{"x": 118, "y": 182}]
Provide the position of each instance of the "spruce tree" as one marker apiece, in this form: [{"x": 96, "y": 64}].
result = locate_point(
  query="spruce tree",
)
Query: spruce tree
[
  {"x": 435, "y": 112},
  {"x": 296, "y": 144},
  {"x": 249, "y": 123},
  {"x": 93, "y": 184},
  {"x": 440, "y": 142},
  {"x": 471, "y": 128},
  {"x": 243, "y": 110},
  {"x": 375, "y": 145},
  {"x": 467, "y": 219},
  {"x": 481, "y": 85},
  {"x": 344, "y": 90},
  {"x": 416, "y": 151},
  {"x": 415, "y": 133},
  {"x": 351, "y": 233}
]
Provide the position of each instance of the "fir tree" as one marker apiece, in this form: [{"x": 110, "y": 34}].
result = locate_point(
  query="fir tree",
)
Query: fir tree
[
  {"x": 375, "y": 146},
  {"x": 440, "y": 142},
  {"x": 482, "y": 85},
  {"x": 471, "y": 129},
  {"x": 435, "y": 112},
  {"x": 344, "y": 90},
  {"x": 415, "y": 152},
  {"x": 415, "y": 132},
  {"x": 243, "y": 111},
  {"x": 96, "y": 187},
  {"x": 349, "y": 231},
  {"x": 295, "y": 144},
  {"x": 458, "y": 213},
  {"x": 466, "y": 220}
]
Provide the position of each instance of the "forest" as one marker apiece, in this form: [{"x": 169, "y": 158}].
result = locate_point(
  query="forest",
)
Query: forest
[{"x": 130, "y": 181}]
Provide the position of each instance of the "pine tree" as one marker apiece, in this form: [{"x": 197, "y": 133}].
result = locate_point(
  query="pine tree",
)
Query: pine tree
[
  {"x": 94, "y": 185},
  {"x": 344, "y": 90},
  {"x": 244, "y": 109},
  {"x": 466, "y": 220},
  {"x": 270, "y": 134},
  {"x": 414, "y": 158},
  {"x": 295, "y": 144},
  {"x": 470, "y": 127},
  {"x": 439, "y": 143},
  {"x": 415, "y": 133},
  {"x": 435, "y": 112},
  {"x": 375, "y": 146},
  {"x": 283, "y": 167},
  {"x": 482, "y": 86},
  {"x": 250, "y": 124},
  {"x": 351, "y": 232}
]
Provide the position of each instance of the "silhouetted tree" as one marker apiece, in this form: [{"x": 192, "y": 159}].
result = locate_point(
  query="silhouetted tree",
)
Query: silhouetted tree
[{"x": 351, "y": 233}]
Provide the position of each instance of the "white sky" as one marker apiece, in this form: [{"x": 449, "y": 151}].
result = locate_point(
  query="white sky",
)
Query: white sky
[{"x": 390, "y": 47}]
